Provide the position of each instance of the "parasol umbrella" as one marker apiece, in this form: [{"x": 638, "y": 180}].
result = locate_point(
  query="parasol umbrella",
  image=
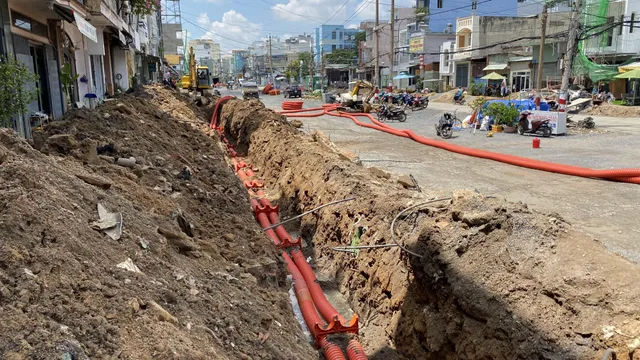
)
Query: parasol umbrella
[
  {"x": 493, "y": 76},
  {"x": 403, "y": 76}
]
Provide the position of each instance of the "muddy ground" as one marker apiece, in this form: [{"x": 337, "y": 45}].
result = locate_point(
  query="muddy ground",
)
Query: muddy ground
[
  {"x": 492, "y": 279},
  {"x": 199, "y": 280}
]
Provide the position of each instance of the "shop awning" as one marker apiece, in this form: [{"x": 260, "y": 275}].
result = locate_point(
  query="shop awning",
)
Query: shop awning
[
  {"x": 494, "y": 67},
  {"x": 521, "y": 58},
  {"x": 629, "y": 67}
]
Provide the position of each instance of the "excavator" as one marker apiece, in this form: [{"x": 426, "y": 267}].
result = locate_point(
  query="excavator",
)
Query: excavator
[
  {"x": 350, "y": 100},
  {"x": 198, "y": 79}
]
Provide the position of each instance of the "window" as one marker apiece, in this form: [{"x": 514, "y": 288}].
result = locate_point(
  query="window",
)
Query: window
[
  {"x": 333, "y": 47},
  {"x": 633, "y": 15},
  {"x": 179, "y": 35},
  {"x": 26, "y": 23},
  {"x": 340, "y": 36},
  {"x": 609, "y": 33},
  {"x": 333, "y": 35}
]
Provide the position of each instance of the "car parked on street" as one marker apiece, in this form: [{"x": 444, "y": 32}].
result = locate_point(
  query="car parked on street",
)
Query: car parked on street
[{"x": 292, "y": 91}]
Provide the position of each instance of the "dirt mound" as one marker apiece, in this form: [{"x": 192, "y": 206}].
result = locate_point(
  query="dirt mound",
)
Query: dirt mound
[
  {"x": 613, "y": 110},
  {"x": 191, "y": 277},
  {"x": 492, "y": 279}
]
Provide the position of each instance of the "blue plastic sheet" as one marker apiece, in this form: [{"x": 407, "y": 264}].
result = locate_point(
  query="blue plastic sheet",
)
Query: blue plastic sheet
[{"x": 520, "y": 104}]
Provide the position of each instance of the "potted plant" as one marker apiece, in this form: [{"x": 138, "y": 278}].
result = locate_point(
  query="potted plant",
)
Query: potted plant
[
  {"x": 15, "y": 96},
  {"x": 503, "y": 115}
]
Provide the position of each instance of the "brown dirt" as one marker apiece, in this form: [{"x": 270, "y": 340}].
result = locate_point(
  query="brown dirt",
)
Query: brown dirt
[
  {"x": 613, "y": 110},
  {"x": 210, "y": 285},
  {"x": 495, "y": 280}
]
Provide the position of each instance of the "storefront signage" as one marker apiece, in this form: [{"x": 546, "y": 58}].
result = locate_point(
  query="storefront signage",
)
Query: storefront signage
[
  {"x": 85, "y": 28},
  {"x": 416, "y": 44}
]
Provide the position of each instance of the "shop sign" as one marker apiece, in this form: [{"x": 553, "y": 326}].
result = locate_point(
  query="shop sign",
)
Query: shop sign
[{"x": 85, "y": 28}]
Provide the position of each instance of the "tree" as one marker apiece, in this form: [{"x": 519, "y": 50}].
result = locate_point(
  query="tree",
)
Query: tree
[
  {"x": 305, "y": 62},
  {"x": 14, "y": 95},
  {"x": 293, "y": 70},
  {"x": 341, "y": 56}
]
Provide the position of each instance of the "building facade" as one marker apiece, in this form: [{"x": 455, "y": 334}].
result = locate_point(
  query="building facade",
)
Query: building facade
[
  {"x": 501, "y": 44},
  {"x": 207, "y": 53},
  {"x": 104, "y": 48},
  {"x": 328, "y": 38}
]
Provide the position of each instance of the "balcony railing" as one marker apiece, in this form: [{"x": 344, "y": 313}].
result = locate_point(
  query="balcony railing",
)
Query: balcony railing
[
  {"x": 462, "y": 53},
  {"x": 465, "y": 22}
]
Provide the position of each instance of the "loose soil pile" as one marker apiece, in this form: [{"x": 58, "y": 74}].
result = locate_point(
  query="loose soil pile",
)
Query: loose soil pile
[
  {"x": 192, "y": 276},
  {"x": 613, "y": 110},
  {"x": 493, "y": 280}
]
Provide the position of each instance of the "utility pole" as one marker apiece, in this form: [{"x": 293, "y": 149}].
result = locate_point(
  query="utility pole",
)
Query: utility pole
[
  {"x": 377, "y": 50},
  {"x": 311, "y": 64},
  {"x": 392, "y": 52},
  {"x": 572, "y": 47},
  {"x": 270, "y": 61},
  {"x": 543, "y": 36}
]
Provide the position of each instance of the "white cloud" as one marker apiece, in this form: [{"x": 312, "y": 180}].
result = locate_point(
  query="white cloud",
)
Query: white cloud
[
  {"x": 233, "y": 31},
  {"x": 203, "y": 20},
  {"x": 309, "y": 10},
  {"x": 353, "y": 26}
]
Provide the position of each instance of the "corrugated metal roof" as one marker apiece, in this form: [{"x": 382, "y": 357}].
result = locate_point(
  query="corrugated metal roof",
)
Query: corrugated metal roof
[{"x": 495, "y": 67}]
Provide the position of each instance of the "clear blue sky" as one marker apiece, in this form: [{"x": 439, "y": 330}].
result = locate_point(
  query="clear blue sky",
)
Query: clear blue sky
[{"x": 237, "y": 23}]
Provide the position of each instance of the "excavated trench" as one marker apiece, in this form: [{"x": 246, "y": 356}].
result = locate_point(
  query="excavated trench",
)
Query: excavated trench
[{"x": 491, "y": 279}]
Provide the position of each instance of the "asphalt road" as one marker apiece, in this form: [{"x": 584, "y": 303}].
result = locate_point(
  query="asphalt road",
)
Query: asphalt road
[{"x": 607, "y": 211}]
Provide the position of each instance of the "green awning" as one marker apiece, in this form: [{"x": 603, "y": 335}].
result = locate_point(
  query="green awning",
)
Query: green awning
[{"x": 494, "y": 67}]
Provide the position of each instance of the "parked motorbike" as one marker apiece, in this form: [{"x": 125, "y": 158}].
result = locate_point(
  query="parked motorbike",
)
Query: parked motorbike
[
  {"x": 538, "y": 127},
  {"x": 444, "y": 127},
  {"x": 420, "y": 103},
  {"x": 386, "y": 113}
]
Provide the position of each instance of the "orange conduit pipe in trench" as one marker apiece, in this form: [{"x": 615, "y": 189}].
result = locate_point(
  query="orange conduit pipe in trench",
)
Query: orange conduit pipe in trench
[
  {"x": 323, "y": 305},
  {"x": 623, "y": 175},
  {"x": 266, "y": 215},
  {"x": 355, "y": 351}
]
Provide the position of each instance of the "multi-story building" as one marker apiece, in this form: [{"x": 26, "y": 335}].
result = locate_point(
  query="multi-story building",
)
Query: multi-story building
[
  {"x": 206, "y": 53},
  {"x": 447, "y": 65},
  {"x": 240, "y": 62},
  {"x": 328, "y": 38},
  {"x": 503, "y": 44},
  {"x": 106, "y": 46},
  {"x": 278, "y": 56}
]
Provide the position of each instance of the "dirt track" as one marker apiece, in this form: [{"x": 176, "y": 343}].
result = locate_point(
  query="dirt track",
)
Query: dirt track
[
  {"x": 496, "y": 279},
  {"x": 210, "y": 284}
]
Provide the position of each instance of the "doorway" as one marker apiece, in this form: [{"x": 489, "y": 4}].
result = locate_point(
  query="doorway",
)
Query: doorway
[
  {"x": 40, "y": 67},
  {"x": 69, "y": 57},
  {"x": 521, "y": 80}
]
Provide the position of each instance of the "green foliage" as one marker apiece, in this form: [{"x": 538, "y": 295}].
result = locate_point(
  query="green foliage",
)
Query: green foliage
[
  {"x": 144, "y": 7},
  {"x": 14, "y": 97},
  {"x": 475, "y": 89},
  {"x": 293, "y": 70},
  {"x": 502, "y": 114},
  {"x": 478, "y": 103},
  {"x": 341, "y": 56},
  {"x": 361, "y": 36},
  {"x": 306, "y": 62},
  {"x": 421, "y": 13},
  {"x": 67, "y": 80}
]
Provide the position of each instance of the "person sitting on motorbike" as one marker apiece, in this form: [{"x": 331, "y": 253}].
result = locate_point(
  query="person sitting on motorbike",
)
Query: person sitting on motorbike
[{"x": 458, "y": 94}]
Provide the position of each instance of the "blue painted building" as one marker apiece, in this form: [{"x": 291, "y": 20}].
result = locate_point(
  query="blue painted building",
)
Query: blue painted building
[
  {"x": 240, "y": 58},
  {"x": 328, "y": 38}
]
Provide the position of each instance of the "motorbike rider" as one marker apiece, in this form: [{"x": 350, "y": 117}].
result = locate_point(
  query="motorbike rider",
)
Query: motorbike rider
[{"x": 458, "y": 94}]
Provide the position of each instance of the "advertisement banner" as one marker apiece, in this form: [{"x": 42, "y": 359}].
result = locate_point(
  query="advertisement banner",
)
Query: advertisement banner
[
  {"x": 416, "y": 45},
  {"x": 557, "y": 120},
  {"x": 85, "y": 28}
]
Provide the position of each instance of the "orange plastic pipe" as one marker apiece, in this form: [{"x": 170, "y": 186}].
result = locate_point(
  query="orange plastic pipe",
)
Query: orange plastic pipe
[
  {"x": 624, "y": 175},
  {"x": 331, "y": 350},
  {"x": 323, "y": 305},
  {"x": 308, "y": 309},
  {"x": 355, "y": 351}
]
